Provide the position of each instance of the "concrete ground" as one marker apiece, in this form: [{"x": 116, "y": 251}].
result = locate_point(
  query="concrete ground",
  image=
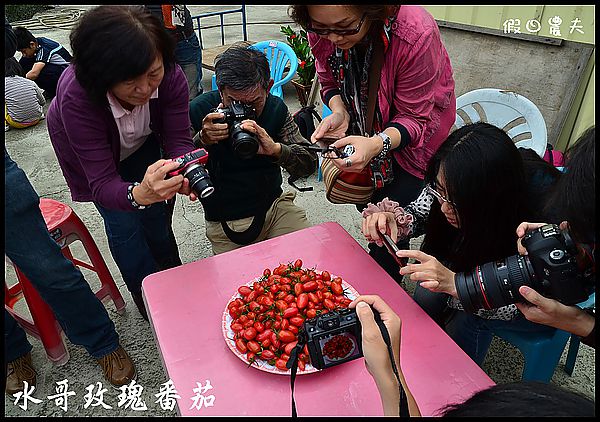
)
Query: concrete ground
[{"x": 32, "y": 151}]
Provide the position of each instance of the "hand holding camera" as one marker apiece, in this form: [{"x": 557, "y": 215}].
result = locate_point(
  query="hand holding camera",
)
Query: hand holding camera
[
  {"x": 373, "y": 346},
  {"x": 243, "y": 142},
  {"x": 550, "y": 267},
  {"x": 154, "y": 188}
]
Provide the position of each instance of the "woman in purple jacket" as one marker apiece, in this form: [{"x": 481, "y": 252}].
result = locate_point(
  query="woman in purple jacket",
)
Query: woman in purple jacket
[
  {"x": 120, "y": 114},
  {"x": 415, "y": 106}
]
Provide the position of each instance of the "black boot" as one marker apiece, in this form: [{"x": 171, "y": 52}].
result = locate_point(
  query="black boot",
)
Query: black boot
[{"x": 139, "y": 302}]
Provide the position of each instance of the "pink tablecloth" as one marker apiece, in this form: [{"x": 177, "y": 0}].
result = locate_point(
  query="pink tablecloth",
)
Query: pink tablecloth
[{"x": 186, "y": 305}]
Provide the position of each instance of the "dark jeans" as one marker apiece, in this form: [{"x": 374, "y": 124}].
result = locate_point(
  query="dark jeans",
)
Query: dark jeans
[
  {"x": 62, "y": 286},
  {"x": 141, "y": 241},
  {"x": 404, "y": 189}
]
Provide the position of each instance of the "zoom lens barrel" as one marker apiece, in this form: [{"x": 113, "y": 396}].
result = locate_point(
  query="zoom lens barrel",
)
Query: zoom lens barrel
[
  {"x": 494, "y": 284},
  {"x": 200, "y": 182}
]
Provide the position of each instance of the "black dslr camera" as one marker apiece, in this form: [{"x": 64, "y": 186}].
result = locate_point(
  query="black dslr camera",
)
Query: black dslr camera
[
  {"x": 244, "y": 144},
  {"x": 549, "y": 268},
  {"x": 333, "y": 338}
]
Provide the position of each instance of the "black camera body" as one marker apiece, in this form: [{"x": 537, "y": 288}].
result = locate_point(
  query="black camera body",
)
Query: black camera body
[
  {"x": 244, "y": 144},
  {"x": 191, "y": 166},
  {"x": 550, "y": 268},
  {"x": 333, "y": 338}
]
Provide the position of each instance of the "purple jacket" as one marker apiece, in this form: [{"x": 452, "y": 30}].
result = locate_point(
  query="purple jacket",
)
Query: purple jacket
[
  {"x": 416, "y": 89},
  {"x": 87, "y": 143}
]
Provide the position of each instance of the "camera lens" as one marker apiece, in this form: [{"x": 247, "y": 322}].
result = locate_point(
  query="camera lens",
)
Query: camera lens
[
  {"x": 244, "y": 144},
  {"x": 199, "y": 180},
  {"x": 494, "y": 284}
]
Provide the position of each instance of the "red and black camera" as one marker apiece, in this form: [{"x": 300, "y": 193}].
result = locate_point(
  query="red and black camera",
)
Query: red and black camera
[{"x": 191, "y": 166}]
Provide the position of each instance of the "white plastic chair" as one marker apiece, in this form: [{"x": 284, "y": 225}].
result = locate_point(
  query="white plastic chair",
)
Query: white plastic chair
[{"x": 515, "y": 114}]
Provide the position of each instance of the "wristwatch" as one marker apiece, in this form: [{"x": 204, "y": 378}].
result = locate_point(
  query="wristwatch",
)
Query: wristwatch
[
  {"x": 130, "y": 197},
  {"x": 387, "y": 144}
]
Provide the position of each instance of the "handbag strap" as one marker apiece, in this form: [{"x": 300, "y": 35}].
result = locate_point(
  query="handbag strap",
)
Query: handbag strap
[{"x": 374, "y": 78}]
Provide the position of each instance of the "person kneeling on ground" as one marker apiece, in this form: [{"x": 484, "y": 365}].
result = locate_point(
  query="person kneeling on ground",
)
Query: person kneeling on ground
[{"x": 248, "y": 204}]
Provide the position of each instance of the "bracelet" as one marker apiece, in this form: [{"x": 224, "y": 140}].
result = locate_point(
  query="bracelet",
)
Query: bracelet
[
  {"x": 130, "y": 197},
  {"x": 387, "y": 144}
]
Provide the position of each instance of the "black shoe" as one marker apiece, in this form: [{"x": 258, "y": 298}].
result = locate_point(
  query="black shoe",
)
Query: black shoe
[{"x": 139, "y": 302}]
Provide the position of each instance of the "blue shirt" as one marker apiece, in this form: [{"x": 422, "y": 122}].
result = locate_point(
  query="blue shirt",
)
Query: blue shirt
[{"x": 51, "y": 52}]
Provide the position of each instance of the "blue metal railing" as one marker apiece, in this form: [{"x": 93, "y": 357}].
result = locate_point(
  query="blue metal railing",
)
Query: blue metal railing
[{"x": 241, "y": 10}]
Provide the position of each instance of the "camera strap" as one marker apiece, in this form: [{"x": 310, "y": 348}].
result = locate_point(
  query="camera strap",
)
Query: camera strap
[{"x": 292, "y": 364}]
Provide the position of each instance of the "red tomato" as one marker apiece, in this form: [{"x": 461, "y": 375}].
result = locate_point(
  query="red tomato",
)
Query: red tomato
[
  {"x": 311, "y": 313},
  {"x": 244, "y": 290},
  {"x": 329, "y": 304},
  {"x": 313, "y": 297},
  {"x": 250, "y": 333},
  {"x": 253, "y": 346},
  {"x": 267, "y": 354},
  {"x": 293, "y": 329},
  {"x": 267, "y": 272},
  {"x": 302, "y": 301},
  {"x": 248, "y": 323},
  {"x": 298, "y": 263},
  {"x": 259, "y": 326},
  {"x": 325, "y": 276},
  {"x": 241, "y": 345},
  {"x": 264, "y": 335},
  {"x": 301, "y": 365},
  {"x": 297, "y": 321},
  {"x": 266, "y": 343},
  {"x": 237, "y": 327},
  {"x": 281, "y": 305},
  {"x": 280, "y": 364},
  {"x": 286, "y": 336},
  {"x": 290, "y": 312},
  {"x": 289, "y": 298},
  {"x": 310, "y": 286},
  {"x": 336, "y": 288},
  {"x": 298, "y": 289},
  {"x": 290, "y": 346},
  {"x": 285, "y": 323},
  {"x": 304, "y": 278},
  {"x": 251, "y": 357}
]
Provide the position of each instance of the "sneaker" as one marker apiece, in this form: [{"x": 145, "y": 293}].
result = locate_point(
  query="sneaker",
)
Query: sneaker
[
  {"x": 19, "y": 370},
  {"x": 117, "y": 367}
]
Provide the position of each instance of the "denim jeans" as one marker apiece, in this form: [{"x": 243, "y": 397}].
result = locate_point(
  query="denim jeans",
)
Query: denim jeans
[
  {"x": 62, "y": 285},
  {"x": 474, "y": 334},
  {"x": 141, "y": 241},
  {"x": 188, "y": 55}
]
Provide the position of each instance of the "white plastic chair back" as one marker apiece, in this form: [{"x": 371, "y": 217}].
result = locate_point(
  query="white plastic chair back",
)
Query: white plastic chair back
[{"x": 515, "y": 114}]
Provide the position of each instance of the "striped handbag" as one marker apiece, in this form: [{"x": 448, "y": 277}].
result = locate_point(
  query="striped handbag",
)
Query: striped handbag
[{"x": 343, "y": 187}]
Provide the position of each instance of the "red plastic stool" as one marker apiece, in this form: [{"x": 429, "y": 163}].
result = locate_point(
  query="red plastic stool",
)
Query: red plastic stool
[{"x": 65, "y": 227}]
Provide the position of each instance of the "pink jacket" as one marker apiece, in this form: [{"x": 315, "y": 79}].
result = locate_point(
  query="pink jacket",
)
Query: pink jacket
[{"x": 416, "y": 89}]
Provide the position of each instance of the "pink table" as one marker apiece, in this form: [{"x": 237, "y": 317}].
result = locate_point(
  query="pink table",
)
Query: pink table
[{"x": 186, "y": 306}]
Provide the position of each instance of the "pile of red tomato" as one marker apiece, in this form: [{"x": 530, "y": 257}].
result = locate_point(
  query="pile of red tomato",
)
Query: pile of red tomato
[{"x": 269, "y": 314}]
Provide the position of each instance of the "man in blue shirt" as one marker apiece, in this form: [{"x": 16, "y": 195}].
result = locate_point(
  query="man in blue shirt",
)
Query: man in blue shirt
[{"x": 43, "y": 59}]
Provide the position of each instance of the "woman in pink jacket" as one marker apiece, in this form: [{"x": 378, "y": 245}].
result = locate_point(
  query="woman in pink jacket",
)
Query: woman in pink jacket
[{"x": 415, "y": 106}]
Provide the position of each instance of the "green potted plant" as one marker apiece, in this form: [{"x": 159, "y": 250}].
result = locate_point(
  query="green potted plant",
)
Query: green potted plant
[{"x": 306, "y": 62}]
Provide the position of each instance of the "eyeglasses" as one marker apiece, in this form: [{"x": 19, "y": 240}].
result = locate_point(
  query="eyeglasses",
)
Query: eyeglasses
[
  {"x": 430, "y": 189},
  {"x": 327, "y": 31}
]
